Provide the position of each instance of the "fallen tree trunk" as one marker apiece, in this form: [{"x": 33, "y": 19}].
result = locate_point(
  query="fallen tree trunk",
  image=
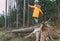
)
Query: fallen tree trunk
[
  {"x": 14, "y": 33},
  {"x": 23, "y": 30}
]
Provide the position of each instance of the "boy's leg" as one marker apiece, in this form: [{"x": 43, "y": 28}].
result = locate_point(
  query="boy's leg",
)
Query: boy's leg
[{"x": 36, "y": 20}]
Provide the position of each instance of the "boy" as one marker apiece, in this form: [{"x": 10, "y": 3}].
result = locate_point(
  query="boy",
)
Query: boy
[{"x": 36, "y": 11}]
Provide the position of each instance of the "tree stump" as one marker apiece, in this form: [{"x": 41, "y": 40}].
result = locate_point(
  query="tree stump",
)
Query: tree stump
[{"x": 44, "y": 33}]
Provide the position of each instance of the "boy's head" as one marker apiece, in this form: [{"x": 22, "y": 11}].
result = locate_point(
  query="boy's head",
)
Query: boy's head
[{"x": 37, "y": 5}]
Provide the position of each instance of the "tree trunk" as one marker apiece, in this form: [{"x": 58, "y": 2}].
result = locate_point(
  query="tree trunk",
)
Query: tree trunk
[{"x": 23, "y": 30}]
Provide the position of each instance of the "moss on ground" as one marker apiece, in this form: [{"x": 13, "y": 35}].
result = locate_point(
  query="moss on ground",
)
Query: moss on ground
[{"x": 3, "y": 38}]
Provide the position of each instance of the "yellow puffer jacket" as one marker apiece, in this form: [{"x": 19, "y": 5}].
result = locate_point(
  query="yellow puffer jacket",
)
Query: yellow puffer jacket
[{"x": 36, "y": 11}]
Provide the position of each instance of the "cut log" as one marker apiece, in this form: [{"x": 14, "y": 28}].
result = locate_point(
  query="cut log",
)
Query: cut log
[{"x": 24, "y": 30}]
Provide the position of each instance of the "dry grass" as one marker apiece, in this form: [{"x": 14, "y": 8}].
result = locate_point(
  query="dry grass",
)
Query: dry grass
[{"x": 3, "y": 38}]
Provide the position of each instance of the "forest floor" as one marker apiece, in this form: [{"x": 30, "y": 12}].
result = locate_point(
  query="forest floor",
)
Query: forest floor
[{"x": 3, "y": 38}]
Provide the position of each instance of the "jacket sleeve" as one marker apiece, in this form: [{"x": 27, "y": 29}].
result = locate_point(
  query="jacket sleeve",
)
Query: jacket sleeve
[
  {"x": 40, "y": 11},
  {"x": 31, "y": 6}
]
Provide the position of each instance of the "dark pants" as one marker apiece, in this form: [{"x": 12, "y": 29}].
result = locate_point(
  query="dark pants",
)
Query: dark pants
[{"x": 35, "y": 20}]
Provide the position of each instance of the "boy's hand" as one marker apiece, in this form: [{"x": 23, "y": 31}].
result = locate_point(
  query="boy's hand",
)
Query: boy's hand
[
  {"x": 28, "y": 5},
  {"x": 42, "y": 14}
]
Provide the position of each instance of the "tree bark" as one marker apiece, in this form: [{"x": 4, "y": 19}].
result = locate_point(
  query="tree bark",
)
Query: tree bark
[{"x": 23, "y": 30}]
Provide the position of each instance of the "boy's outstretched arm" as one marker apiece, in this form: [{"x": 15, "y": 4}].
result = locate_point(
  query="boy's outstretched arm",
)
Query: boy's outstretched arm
[{"x": 31, "y": 6}]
